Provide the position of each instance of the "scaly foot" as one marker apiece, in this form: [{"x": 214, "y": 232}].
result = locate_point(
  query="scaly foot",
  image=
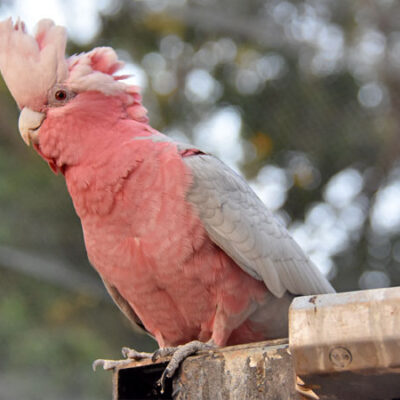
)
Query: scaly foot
[
  {"x": 178, "y": 355},
  {"x": 129, "y": 354}
]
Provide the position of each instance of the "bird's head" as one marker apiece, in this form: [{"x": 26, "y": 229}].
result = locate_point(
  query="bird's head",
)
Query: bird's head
[{"x": 63, "y": 101}]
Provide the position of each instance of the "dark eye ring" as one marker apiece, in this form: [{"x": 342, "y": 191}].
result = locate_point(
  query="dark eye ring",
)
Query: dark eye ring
[{"x": 60, "y": 95}]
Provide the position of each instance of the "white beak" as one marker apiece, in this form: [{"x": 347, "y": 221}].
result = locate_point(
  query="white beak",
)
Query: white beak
[{"x": 29, "y": 123}]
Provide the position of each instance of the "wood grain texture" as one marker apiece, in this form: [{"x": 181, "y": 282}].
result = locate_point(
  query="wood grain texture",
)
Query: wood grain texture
[
  {"x": 347, "y": 345},
  {"x": 254, "y": 371}
]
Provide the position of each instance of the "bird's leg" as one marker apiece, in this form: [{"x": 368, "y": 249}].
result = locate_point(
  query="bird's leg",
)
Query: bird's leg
[
  {"x": 178, "y": 355},
  {"x": 129, "y": 354}
]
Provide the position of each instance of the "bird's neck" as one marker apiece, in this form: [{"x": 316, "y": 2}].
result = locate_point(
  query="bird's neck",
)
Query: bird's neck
[{"x": 95, "y": 184}]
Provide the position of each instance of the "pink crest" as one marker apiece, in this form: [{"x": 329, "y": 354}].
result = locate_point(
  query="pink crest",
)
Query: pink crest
[
  {"x": 31, "y": 65},
  {"x": 95, "y": 71}
]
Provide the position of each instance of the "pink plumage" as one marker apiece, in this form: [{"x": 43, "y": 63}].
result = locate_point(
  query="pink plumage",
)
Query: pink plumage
[{"x": 182, "y": 243}]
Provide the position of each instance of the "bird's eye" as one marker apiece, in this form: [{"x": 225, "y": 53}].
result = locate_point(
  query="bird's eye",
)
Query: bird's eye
[{"x": 60, "y": 95}]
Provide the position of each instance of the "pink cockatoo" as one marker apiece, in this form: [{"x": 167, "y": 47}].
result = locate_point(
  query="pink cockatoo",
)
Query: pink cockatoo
[{"x": 182, "y": 243}]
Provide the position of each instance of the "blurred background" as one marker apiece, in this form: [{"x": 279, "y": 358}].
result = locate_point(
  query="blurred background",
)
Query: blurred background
[{"x": 301, "y": 97}]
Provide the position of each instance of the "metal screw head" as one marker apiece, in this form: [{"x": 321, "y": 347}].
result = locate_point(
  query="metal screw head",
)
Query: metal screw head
[{"x": 340, "y": 357}]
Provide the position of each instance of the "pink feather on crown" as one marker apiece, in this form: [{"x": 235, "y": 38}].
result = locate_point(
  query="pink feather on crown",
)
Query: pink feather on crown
[{"x": 32, "y": 65}]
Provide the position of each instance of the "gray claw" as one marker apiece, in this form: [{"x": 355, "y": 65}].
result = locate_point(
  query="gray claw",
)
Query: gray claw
[
  {"x": 155, "y": 356},
  {"x": 96, "y": 363},
  {"x": 135, "y": 355},
  {"x": 163, "y": 352},
  {"x": 179, "y": 354},
  {"x": 109, "y": 364},
  {"x": 161, "y": 381},
  {"x": 100, "y": 362},
  {"x": 125, "y": 351}
]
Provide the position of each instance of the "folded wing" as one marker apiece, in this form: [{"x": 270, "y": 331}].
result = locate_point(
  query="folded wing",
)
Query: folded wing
[{"x": 238, "y": 222}]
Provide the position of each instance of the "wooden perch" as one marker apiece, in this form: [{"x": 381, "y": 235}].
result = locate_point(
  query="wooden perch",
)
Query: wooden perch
[
  {"x": 342, "y": 346},
  {"x": 255, "y": 371},
  {"x": 347, "y": 345}
]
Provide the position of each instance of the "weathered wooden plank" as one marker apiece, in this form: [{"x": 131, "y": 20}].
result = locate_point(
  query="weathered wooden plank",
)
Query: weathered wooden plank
[
  {"x": 347, "y": 345},
  {"x": 255, "y": 371}
]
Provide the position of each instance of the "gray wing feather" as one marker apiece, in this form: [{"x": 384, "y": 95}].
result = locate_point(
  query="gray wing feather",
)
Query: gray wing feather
[{"x": 238, "y": 222}]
